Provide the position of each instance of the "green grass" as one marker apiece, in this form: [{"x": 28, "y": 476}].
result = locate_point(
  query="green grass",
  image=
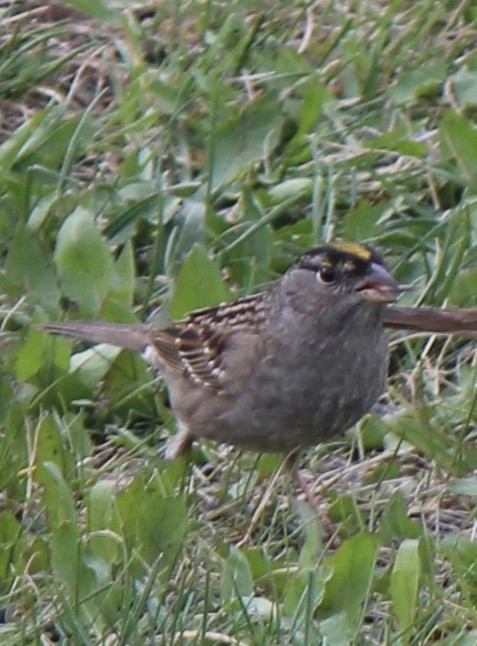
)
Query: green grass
[{"x": 157, "y": 159}]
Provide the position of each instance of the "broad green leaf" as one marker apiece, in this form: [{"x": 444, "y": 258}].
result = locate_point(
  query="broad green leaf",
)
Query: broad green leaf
[
  {"x": 67, "y": 559},
  {"x": 49, "y": 144},
  {"x": 404, "y": 585},
  {"x": 166, "y": 95},
  {"x": 461, "y": 552},
  {"x": 361, "y": 222},
  {"x": 421, "y": 82},
  {"x": 104, "y": 549},
  {"x": 13, "y": 449},
  {"x": 79, "y": 439},
  {"x": 236, "y": 579},
  {"x": 338, "y": 630},
  {"x": 464, "y": 84},
  {"x": 288, "y": 188},
  {"x": 199, "y": 284},
  {"x": 40, "y": 550},
  {"x": 345, "y": 510},
  {"x": 28, "y": 265},
  {"x": 313, "y": 535},
  {"x": 10, "y": 532},
  {"x": 249, "y": 260},
  {"x": 57, "y": 495},
  {"x": 31, "y": 355},
  {"x": 64, "y": 552},
  {"x": 353, "y": 567},
  {"x": 122, "y": 283},
  {"x": 6, "y": 396},
  {"x": 42, "y": 210},
  {"x": 57, "y": 350},
  {"x": 101, "y": 501},
  {"x": 99, "y": 553},
  {"x": 315, "y": 95},
  {"x": 303, "y": 590},
  {"x": 459, "y": 141},
  {"x": 396, "y": 524},
  {"x": 93, "y": 364},
  {"x": 161, "y": 531},
  {"x": 418, "y": 430},
  {"x": 152, "y": 524},
  {"x": 398, "y": 140},
  {"x": 95, "y": 8},
  {"x": 49, "y": 446},
  {"x": 84, "y": 262},
  {"x": 190, "y": 229},
  {"x": 468, "y": 639},
  {"x": 463, "y": 291},
  {"x": 129, "y": 386},
  {"x": 463, "y": 486},
  {"x": 30, "y": 136},
  {"x": 242, "y": 140}
]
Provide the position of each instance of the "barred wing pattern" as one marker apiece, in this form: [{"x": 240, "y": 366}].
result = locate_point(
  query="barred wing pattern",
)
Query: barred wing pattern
[{"x": 195, "y": 346}]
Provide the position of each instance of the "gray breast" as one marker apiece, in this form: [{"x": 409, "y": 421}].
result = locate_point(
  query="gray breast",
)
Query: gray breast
[{"x": 308, "y": 387}]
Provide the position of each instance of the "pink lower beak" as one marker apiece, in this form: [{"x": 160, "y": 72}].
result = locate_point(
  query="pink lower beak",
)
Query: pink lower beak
[{"x": 378, "y": 286}]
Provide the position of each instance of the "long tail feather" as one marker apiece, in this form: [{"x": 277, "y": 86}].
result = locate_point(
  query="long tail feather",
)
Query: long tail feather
[
  {"x": 432, "y": 319},
  {"x": 132, "y": 337}
]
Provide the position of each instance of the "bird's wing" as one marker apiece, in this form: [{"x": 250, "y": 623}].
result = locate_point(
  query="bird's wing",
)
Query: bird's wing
[
  {"x": 193, "y": 351},
  {"x": 197, "y": 345}
]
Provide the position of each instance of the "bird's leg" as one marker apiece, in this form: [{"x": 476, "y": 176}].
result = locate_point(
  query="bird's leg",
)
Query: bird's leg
[
  {"x": 329, "y": 530},
  {"x": 292, "y": 463},
  {"x": 179, "y": 444}
]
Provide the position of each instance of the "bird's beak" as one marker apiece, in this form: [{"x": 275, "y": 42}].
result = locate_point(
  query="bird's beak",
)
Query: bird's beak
[{"x": 378, "y": 286}]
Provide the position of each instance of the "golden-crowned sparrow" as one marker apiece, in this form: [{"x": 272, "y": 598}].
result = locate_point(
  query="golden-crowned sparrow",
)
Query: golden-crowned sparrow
[{"x": 280, "y": 370}]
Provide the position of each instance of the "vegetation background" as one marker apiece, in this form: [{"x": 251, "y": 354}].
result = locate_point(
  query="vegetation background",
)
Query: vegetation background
[{"x": 156, "y": 157}]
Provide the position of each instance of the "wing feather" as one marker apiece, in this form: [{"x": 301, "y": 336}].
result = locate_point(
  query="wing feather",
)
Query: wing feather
[{"x": 196, "y": 346}]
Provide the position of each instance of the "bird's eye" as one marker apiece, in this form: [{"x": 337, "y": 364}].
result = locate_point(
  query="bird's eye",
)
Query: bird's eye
[{"x": 327, "y": 274}]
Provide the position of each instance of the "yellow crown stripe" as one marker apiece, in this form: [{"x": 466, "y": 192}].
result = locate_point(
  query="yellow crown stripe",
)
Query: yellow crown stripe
[{"x": 354, "y": 249}]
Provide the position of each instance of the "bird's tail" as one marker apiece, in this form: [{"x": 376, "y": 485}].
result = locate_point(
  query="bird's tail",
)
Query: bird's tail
[
  {"x": 462, "y": 321},
  {"x": 123, "y": 335}
]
